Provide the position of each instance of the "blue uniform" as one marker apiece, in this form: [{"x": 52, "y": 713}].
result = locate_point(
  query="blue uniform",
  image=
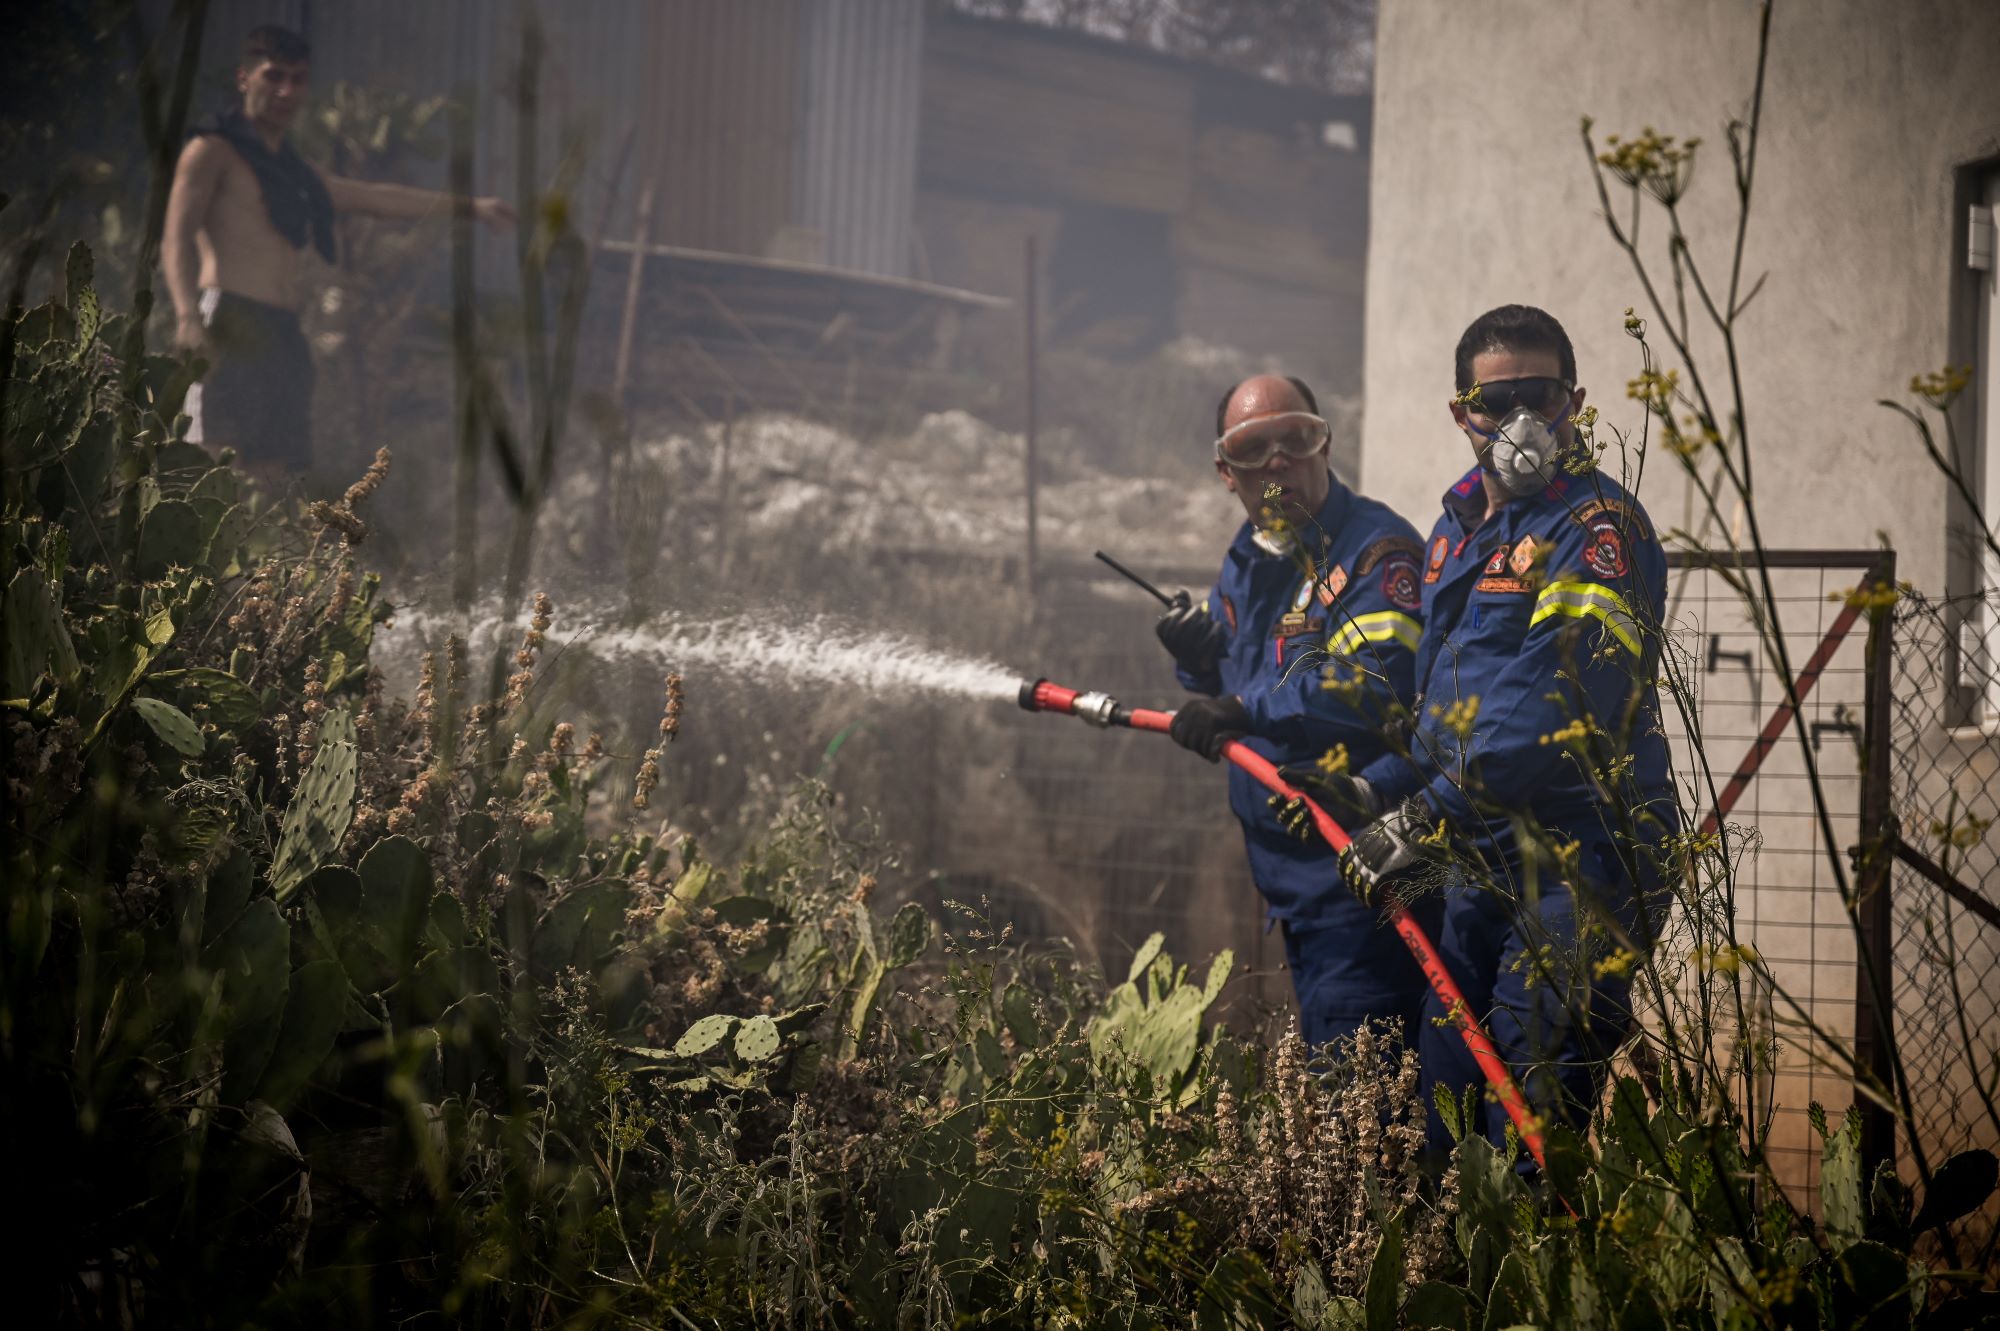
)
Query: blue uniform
[
  {"x": 1538, "y": 706},
  {"x": 1350, "y": 620}
]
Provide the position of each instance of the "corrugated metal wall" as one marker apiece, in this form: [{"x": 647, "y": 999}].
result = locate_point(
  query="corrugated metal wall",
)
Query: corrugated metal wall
[
  {"x": 863, "y": 71},
  {"x": 722, "y": 121}
]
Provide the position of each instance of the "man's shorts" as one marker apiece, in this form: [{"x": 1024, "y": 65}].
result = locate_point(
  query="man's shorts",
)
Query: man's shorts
[{"x": 257, "y": 396}]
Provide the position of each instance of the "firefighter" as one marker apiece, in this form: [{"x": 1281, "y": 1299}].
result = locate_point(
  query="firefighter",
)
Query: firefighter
[
  {"x": 1304, "y": 649},
  {"x": 1538, "y": 750}
]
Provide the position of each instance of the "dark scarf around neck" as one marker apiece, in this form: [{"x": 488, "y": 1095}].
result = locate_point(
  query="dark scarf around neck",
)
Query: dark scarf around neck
[{"x": 294, "y": 194}]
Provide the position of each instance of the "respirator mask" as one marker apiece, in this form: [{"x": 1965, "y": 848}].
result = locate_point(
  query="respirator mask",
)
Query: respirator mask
[{"x": 1521, "y": 454}]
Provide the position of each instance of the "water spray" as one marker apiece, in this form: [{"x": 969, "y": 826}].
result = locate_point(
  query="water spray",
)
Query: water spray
[{"x": 1104, "y": 711}]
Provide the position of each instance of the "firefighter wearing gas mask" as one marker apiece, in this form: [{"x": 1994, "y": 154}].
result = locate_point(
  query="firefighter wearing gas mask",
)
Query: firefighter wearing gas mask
[
  {"x": 1304, "y": 648},
  {"x": 1538, "y": 753}
]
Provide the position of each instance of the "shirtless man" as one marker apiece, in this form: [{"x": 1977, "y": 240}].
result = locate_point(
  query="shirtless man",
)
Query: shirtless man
[{"x": 243, "y": 205}]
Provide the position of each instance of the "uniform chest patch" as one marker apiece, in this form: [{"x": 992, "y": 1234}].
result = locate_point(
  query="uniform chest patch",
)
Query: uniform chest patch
[
  {"x": 1229, "y": 613},
  {"x": 1525, "y": 556},
  {"x": 1495, "y": 563},
  {"x": 1335, "y": 584},
  {"x": 1440, "y": 547},
  {"x": 1604, "y": 548},
  {"x": 1399, "y": 582}
]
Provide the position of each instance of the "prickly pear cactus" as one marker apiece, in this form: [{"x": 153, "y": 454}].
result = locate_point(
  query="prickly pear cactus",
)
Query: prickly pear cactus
[
  {"x": 1218, "y": 975},
  {"x": 315, "y": 1010},
  {"x": 251, "y": 960},
  {"x": 861, "y": 1011},
  {"x": 395, "y": 897},
  {"x": 171, "y": 725},
  {"x": 909, "y": 934},
  {"x": 704, "y": 1035},
  {"x": 170, "y": 537},
  {"x": 37, "y": 638},
  {"x": 1156, "y": 1025},
  {"x": 320, "y": 810},
  {"x": 757, "y": 1040}
]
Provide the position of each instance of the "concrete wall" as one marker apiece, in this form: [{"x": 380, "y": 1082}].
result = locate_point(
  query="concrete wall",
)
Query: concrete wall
[{"x": 1481, "y": 194}]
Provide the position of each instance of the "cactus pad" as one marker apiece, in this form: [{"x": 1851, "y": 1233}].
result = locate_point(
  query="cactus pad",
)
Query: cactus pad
[
  {"x": 1144, "y": 956},
  {"x": 704, "y": 1035},
  {"x": 909, "y": 934},
  {"x": 317, "y": 818},
  {"x": 171, "y": 725},
  {"x": 757, "y": 1040}
]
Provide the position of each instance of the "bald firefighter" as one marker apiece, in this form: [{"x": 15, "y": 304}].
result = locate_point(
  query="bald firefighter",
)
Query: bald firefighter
[{"x": 1305, "y": 649}]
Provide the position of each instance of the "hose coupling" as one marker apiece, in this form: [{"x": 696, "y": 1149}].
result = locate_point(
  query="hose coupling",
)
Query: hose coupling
[{"x": 1097, "y": 709}]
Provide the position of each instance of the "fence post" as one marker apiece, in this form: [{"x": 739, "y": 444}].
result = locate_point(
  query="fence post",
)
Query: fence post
[
  {"x": 1029, "y": 461},
  {"x": 1875, "y": 975}
]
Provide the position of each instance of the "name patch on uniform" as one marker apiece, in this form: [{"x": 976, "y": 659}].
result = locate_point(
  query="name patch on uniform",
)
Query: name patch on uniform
[
  {"x": 1439, "y": 548},
  {"x": 1399, "y": 581},
  {"x": 1294, "y": 622},
  {"x": 1501, "y": 582},
  {"x": 1630, "y": 521}
]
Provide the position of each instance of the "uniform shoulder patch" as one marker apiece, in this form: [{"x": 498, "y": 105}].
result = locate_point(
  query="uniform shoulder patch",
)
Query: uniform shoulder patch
[
  {"x": 1604, "y": 547},
  {"x": 1378, "y": 551},
  {"x": 1440, "y": 547},
  {"x": 1399, "y": 581},
  {"x": 1626, "y": 517}
]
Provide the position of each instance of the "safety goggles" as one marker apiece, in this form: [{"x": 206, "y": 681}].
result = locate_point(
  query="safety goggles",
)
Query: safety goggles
[
  {"x": 1253, "y": 443},
  {"x": 1543, "y": 396}
]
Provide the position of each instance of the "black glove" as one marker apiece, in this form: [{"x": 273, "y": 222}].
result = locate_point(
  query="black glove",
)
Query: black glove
[
  {"x": 1385, "y": 848},
  {"x": 1194, "y": 638},
  {"x": 1350, "y": 800},
  {"x": 1206, "y": 724}
]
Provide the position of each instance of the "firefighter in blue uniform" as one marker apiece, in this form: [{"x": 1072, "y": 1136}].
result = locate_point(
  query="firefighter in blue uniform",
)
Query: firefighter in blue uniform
[
  {"x": 1538, "y": 751},
  {"x": 1320, "y": 588}
]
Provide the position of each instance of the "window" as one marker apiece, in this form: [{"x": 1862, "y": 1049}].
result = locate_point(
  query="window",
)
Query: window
[{"x": 1973, "y": 578}]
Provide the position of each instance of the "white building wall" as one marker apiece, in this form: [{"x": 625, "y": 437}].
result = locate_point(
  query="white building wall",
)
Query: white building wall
[{"x": 1482, "y": 194}]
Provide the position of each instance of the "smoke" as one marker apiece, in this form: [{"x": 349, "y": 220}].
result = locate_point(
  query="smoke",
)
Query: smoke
[{"x": 775, "y": 649}]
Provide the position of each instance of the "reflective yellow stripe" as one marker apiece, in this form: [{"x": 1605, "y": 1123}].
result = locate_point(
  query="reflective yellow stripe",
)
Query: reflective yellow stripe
[
  {"x": 1577, "y": 599},
  {"x": 1382, "y": 626}
]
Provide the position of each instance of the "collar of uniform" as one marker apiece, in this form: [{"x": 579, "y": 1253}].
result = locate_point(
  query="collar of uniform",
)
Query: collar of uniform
[
  {"x": 1466, "y": 499},
  {"x": 1251, "y": 542}
]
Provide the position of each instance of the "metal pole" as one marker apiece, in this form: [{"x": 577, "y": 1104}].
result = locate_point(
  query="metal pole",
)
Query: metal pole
[
  {"x": 1875, "y": 988},
  {"x": 642, "y": 236},
  {"x": 1028, "y": 450}
]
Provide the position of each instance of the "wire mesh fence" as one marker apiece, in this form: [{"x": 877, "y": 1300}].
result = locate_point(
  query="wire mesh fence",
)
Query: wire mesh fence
[
  {"x": 1946, "y": 903},
  {"x": 1745, "y": 775}
]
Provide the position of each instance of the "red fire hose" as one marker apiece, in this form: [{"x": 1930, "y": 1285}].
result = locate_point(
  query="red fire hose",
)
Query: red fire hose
[{"x": 1104, "y": 711}]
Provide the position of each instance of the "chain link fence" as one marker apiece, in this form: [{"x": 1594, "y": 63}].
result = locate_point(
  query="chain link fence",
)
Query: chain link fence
[{"x": 1945, "y": 728}]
